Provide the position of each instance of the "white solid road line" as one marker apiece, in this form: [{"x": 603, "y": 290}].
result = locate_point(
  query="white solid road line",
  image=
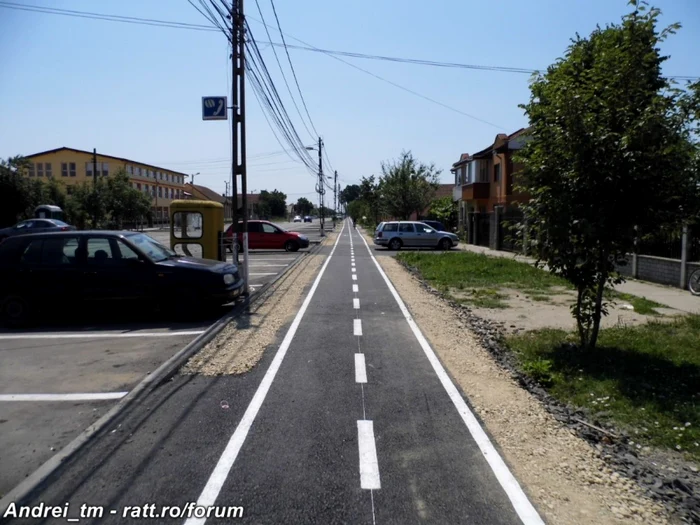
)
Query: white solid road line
[
  {"x": 360, "y": 369},
  {"x": 525, "y": 510},
  {"x": 92, "y": 335},
  {"x": 355, "y": 288},
  {"x": 223, "y": 467},
  {"x": 253, "y": 265},
  {"x": 357, "y": 326},
  {"x": 369, "y": 466},
  {"x": 260, "y": 274},
  {"x": 356, "y": 303},
  {"x": 62, "y": 397},
  {"x": 354, "y": 277}
]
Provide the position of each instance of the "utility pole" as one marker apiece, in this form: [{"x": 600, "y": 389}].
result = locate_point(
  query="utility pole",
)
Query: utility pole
[
  {"x": 335, "y": 194},
  {"x": 238, "y": 131},
  {"x": 226, "y": 182},
  {"x": 94, "y": 188},
  {"x": 321, "y": 189}
]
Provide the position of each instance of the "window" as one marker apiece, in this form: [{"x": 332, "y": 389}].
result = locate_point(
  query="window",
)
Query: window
[
  {"x": 422, "y": 228},
  {"x": 130, "y": 169},
  {"x": 105, "y": 169},
  {"x": 138, "y": 186},
  {"x": 31, "y": 169},
  {"x": 72, "y": 168},
  {"x": 160, "y": 175},
  {"x": 406, "y": 228},
  {"x": 189, "y": 225},
  {"x": 39, "y": 169},
  {"x": 126, "y": 251},
  {"x": 483, "y": 172},
  {"x": 153, "y": 191},
  {"x": 160, "y": 191},
  {"x": 167, "y": 177},
  {"x": 47, "y": 169},
  {"x": 51, "y": 252},
  {"x": 145, "y": 188},
  {"x": 64, "y": 169},
  {"x": 268, "y": 228},
  {"x": 253, "y": 227},
  {"x": 138, "y": 171},
  {"x": 496, "y": 172},
  {"x": 391, "y": 227},
  {"x": 108, "y": 252}
]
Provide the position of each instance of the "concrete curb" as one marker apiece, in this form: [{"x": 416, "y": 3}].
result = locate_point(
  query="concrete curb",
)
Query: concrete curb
[{"x": 21, "y": 492}]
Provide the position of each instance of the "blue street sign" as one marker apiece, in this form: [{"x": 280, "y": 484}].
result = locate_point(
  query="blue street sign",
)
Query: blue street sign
[{"x": 214, "y": 108}]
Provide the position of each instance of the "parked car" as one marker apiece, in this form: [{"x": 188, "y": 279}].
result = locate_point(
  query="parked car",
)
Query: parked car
[
  {"x": 105, "y": 268},
  {"x": 35, "y": 226},
  {"x": 308, "y": 219},
  {"x": 264, "y": 235},
  {"x": 412, "y": 234},
  {"x": 296, "y": 219},
  {"x": 435, "y": 225}
]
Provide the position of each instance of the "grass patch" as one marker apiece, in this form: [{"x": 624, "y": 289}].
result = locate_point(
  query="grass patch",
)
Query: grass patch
[
  {"x": 641, "y": 305},
  {"x": 645, "y": 378},
  {"x": 477, "y": 278}
]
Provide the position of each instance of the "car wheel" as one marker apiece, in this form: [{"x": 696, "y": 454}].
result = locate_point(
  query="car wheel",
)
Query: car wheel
[
  {"x": 291, "y": 246},
  {"x": 444, "y": 244},
  {"x": 395, "y": 244},
  {"x": 16, "y": 310}
]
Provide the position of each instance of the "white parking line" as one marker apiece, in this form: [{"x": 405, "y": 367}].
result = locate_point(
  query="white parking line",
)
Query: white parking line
[
  {"x": 522, "y": 505},
  {"x": 360, "y": 369},
  {"x": 91, "y": 335},
  {"x": 369, "y": 466},
  {"x": 355, "y": 288},
  {"x": 62, "y": 397},
  {"x": 356, "y": 303},
  {"x": 218, "y": 477},
  {"x": 354, "y": 277},
  {"x": 357, "y": 326}
]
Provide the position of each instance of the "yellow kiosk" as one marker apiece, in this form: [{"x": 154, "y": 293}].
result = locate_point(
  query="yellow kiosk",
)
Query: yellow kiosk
[{"x": 196, "y": 228}]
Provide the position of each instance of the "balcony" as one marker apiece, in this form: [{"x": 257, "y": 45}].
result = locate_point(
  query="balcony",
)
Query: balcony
[{"x": 476, "y": 190}]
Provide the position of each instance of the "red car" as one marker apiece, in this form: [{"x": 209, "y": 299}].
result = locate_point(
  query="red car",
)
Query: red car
[{"x": 264, "y": 235}]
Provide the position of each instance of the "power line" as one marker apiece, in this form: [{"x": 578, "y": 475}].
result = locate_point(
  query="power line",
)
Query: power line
[{"x": 307, "y": 47}]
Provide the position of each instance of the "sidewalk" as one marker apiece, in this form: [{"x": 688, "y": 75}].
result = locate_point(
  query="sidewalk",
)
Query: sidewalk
[{"x": 673, "y": 297}]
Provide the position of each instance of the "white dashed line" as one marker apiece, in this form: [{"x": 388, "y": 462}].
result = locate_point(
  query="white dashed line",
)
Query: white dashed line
[
  {"x": 360, "y": 369},
  {"x": 354, "y": 270},
  {"x": 369, "y": 466},
  {"x": 62, "y": 397},
  {"x": 354, "y": 277},
  {"x": 356, "y": 303},
  {"x": 357, "y": 326},
  {"x": 355, "y": 288}
]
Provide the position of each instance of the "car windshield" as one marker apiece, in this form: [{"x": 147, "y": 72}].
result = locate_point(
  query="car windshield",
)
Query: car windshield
[{"x": 152, "y": 248}]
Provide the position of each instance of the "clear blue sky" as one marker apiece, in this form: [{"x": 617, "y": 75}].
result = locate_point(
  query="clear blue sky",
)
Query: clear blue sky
[{"x": 135, "y": 91}]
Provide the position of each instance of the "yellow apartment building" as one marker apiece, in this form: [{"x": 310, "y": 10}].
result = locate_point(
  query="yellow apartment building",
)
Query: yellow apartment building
[{"x": 73, "y": 166}]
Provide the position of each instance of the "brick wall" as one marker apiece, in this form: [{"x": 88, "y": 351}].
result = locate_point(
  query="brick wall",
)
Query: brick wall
[{"x": 658, "y": 269}]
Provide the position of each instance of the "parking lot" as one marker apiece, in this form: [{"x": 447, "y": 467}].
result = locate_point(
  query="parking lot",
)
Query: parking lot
[{"x": 61, "y": 376}]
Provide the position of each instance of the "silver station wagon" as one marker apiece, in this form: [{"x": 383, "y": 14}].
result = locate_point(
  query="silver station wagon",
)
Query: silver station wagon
[{"x": 412, "y": 234}]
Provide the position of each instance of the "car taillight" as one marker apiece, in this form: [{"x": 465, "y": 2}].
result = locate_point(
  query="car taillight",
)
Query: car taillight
[{"x": 379, "y": 235}]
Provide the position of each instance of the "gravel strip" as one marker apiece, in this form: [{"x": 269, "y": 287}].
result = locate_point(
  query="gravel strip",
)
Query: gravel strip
[{"x": 571, "y": 480}]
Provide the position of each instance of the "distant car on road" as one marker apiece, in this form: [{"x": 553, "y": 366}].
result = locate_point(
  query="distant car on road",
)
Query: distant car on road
[
  {"x": 435, "y": 225},
  {"x": 264, "y": 235},
  {"x": 35, "y": 226},
  {"x": 308, "y": 219},
  {"x": 296, "y": 219},
  {"x": 412, "y": 234},
  {"x": 106, "y": 268}
]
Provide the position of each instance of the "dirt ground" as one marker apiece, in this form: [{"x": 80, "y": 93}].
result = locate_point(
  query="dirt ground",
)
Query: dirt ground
[
  {"x": 524, "y": 314},
  {"x": 239, "y": 347},
  {"x": 564, "y": 476}
]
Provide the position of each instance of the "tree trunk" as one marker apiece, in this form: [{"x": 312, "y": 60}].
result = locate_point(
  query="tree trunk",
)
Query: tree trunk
[
  {"x": 598, "y": 310},
  {"x": 583, "y": 336}
]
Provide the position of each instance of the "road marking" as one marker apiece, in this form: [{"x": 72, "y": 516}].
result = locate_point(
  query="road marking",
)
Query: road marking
[
  {"x": 62, "y": 397},
  {"x": 91, "y": 335},
  {"x": 252, "y": 265},
  {"x": 352, "y": 264},
  {"x": 357, "y": 326},
  {"x": 260, "y": 274},
  {"x": 354, "y": 270},
  {"x": 360, "y": 369},
  {"x": 525, "y": 510},
  {"x": 356, "y": 303},
  {"x": 369, "y": 466},
  {"x": 228, "y": 457},
  {"x": 355, "y": 288},
  {"x": 354, "y": 277}
]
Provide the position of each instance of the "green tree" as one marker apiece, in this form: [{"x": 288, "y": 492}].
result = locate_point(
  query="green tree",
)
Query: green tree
[
  {"x": 303, "y": 206},
  {"x": 122, "y": 202},
  {"x": 349, "y": 193},
  {"x": 607, "y": 155},
  {"x": 19, "y": 195},
  {"x": 273, "y": 203},
  {"x": 408, "y": 186},
  {"x": 445, "y": 211},
  {"x": 371, "y": 197}
]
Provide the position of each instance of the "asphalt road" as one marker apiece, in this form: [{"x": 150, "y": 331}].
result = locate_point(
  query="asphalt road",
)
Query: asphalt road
[{"x": 349, "y": 418}]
